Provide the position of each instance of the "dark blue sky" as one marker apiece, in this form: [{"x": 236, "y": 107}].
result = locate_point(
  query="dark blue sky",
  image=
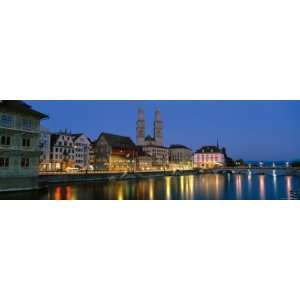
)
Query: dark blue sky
[{"x": 252, "y": 130}]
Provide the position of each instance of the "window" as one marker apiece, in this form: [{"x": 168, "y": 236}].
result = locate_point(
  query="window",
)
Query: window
[
  {"x": 6, "y": 121},
  {"x": 27, "y": 124},
  {"x": 26, "y": 142},
  {"x": 24, "y": 162},
  {"x": 5, "y": 140},
  {"x": 4, "y": 162}
]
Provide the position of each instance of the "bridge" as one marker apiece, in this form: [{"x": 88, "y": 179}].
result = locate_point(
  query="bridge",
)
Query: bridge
[{"x": 280, "y": 170}]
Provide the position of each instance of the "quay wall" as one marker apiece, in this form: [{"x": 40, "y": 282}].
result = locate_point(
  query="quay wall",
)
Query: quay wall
[{"x": 66, "y": 178}]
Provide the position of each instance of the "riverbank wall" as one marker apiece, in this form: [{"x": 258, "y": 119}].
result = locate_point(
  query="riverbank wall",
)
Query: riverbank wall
[{"x": 45, "y": 179}]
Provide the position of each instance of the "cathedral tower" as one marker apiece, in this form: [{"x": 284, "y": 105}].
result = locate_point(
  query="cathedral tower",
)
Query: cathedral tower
[
  {"x": 140, "y": 128},
  {"x": 158, "y": 129}
]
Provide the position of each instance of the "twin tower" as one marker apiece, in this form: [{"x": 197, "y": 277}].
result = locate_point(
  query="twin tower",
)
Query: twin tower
[{"x": 157, "y": 139}]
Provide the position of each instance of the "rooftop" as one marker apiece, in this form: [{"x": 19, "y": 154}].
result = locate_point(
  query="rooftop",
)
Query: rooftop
[
  {"x": 117, "y": 141},
  {"x": 21, "y": 106},
  {"x": 209, "y": 149},
  {"x": 178, "y": 146}
]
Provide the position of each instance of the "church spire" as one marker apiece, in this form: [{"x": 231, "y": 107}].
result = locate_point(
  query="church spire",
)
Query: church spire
[
  {"x": 140, "y": 128},
  {"x": 158, "y": 128}
]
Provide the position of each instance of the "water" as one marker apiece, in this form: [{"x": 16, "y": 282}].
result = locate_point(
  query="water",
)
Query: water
[{"x": 204, "y": 186}]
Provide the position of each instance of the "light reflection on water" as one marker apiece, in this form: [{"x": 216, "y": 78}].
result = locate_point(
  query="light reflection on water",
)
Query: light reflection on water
[
  {"x": 204, "y": 186},
  {"x": 262, "y": 189},
  {"x": 209, "y": 186}
]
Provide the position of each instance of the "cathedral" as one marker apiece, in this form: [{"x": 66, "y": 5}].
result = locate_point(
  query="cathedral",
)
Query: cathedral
[
  {"x": 157, "y": 138},
  {"x": 152, "y": 145}
]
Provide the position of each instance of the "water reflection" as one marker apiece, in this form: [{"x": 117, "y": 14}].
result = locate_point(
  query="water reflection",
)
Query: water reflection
[
  {"x": 205, "y": 186},
  {"x": 238, "y": 184},
  {"x": 275, "y": 182},
  {"x": 288, "y": 186},
  {"x": 262, "y": 189},
  {"x": 151, "y": 189},
  {"x": 120, "y": 192},
  {"x": 57, "y": 193},
  {"x": 168, "y": 188}
]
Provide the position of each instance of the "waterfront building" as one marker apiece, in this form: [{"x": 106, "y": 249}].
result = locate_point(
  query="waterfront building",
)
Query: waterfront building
[
  {"x": 19, "y": 145},
  {"x": 62, "y": 151},
  {"x": 143, "y": 160},
  {"x": 152, "y": 145},
  {"x": 92, "y": 155},
  {"x": 180, "y": 157},
  {"x": 159, "y": 155},
  {"x": 114, "y": 153},
  {"x": 82, "y": 145},
  {"x": 209, "y": 157}
]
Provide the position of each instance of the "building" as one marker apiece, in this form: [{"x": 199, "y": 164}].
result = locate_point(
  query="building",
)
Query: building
[
  {"x": 143, "y": 160},
  {"x": 114, "y": 153},
  {"x": 180, "y": 157},
  {"x": 209, "y": 157},
  {"x": 159, "y": 155},
  {"x": 44, "y": 143},
  {"x": 62, "y": 151},
  {"x": 92, "y": 155},
  {"x": 152, "y": 145},
  {"x": 157, "y": 138},
  {"x": 82, "y": 145},
  {"x": 19, "y": 145}
]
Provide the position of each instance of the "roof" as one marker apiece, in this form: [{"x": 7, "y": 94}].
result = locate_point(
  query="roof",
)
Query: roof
[
  {"x": 21, "y": 106},
  {"x": 209, "y": 149},
  {"x": 75, "y": 136},
  {"x": 117, "y": 141},
  {"x": 178, "y": 146},
  {"x": 54, "y": 137},
  {"x": 149, "y": 138},
  {"x": 155, "y": 146}
]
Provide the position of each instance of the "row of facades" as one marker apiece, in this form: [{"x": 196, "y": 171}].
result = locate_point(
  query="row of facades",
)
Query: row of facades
[
  {"x": 26, "y": 148},
  {"x": 110, "y": 152}
]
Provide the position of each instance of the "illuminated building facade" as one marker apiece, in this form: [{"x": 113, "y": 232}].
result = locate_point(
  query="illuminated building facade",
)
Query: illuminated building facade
[
  {"x": 19, "y": 145},
  {"x": 159, "y": 155},
  {"x": 143, "y": 160},
  {"x": 152, "y": 145},
  {"x": 209, "y": 157},
  {"x": 181, "y": 157},
  {"x": 62, "y": 155},
  {"x": 114, "y": 153},
  {"x": 82, "y": 145}
]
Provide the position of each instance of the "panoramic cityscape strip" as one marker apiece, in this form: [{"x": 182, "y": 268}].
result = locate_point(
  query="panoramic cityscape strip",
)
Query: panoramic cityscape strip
[{"x": 32, "y": 156}]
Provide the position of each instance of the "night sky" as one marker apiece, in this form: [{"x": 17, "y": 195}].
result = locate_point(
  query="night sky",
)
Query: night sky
[{"x": 251, "y": 130}]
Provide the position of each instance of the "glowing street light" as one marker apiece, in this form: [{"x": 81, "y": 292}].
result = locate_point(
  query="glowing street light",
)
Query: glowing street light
[{"x": 261, "y": 164}]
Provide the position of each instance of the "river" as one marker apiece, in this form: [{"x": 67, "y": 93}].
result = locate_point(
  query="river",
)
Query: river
[{"x": 204, "y": 186}]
